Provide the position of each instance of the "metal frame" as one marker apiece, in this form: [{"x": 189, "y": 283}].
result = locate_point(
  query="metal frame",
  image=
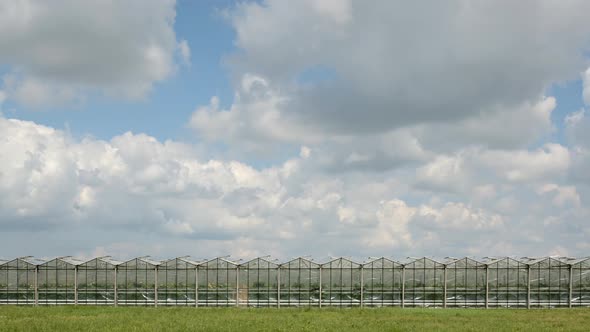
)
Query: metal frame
[
  {"x": 96, "y": 282},
  {"x": 18, "y": 278},
  {"x": 508, "y": 283},
  {"x": 549, "y": 283},
  {"x": 424, "y": 283},
  {"x": 580, "y": 276},
  {"x": 341, "y": 283},
  {"x": 465, "y": 283},
  {"x": 218, "y": 282},
  {"x": 300, "y": 283},
  {"x": 57, "y": 281},
  {"x": 137, "y": 282},
  {"x": 258, "y": 283},
  {"x": 382, "y": 283},
  {"x": 177, "y": 282},
  {"x": 420, "y": 282}
]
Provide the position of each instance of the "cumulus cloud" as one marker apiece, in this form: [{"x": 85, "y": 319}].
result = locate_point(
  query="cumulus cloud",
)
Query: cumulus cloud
[
  {"x": 577, "y": 128},
  {"x": 501, "y": 128},
  {"x": 562, "y": 194},
  {"x": 443, "y": 173},
  {"x": 460, "y": 217},
  {"x": 254, "y": 121},
  {"x": 552, "y": 160},
  {"x": 384, "y": 77},
  {"x": 471, "y": 171},
  {"x": 434, "y": 141},
  {"x": 57, "y": 52},
  {"x": 586, "y": 82},
  {"x": 258, "y": 121},
  {"x": 392, "y": 220},
  {"x": 185, "y": 52},
  {"x": 2, "y": 99},
  {"x": 134, "y": 187}
]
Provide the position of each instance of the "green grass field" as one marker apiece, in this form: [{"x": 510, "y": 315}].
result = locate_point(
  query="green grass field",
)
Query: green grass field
[{"x": 237, "y": 319}]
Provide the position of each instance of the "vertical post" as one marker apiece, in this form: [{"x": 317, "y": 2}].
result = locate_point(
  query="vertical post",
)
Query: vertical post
[
  {"x": 197, "y": 286},
  {"x": 320, "y": 296},
  {"x": 445, "y": 286},
  {"x": 403, "y": 286},
  {"x": 570, "y": 287},
  {"x": 156, "y": 286},
  {"x": 528, "y": 286},
  {"x": 362, "y": 283},
  {"x": 116, "y": 285},
  {"x": 36, "y": 286},
  {"x": 278, "y": 286},
  {"x": 76, "y": 285},
  {"x": 237, "y": 286},
  {"x": 487, "y": 286}
]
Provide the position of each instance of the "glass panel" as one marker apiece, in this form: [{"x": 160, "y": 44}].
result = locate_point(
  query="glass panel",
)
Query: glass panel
[{"x": 300, "y": 283}]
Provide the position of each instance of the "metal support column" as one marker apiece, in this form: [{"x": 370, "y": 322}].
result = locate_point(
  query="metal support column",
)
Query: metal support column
[
  {"x": 278, "y": 286},
  {"x": 362, "y": 284},
  {"x": 116, "y": 293},
  {"x": 444, "y": 286},
  {"x": 403, "y": 286},
  {"x": 197, "y": 286},
  {"x": 237, "y": 286},
  {"x": 570, "y": 286},
  {"x": 36, "y": 285},
  {"x": 156, "y": 286},
  {"x": 76, "y": 285},
  {"x": 487, "y": 286},
  {"x": 320, "y": 296},
  {"x": 528, "y": 287}
]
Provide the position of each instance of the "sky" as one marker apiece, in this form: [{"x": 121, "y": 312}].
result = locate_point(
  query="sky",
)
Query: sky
[{"x": 293, "y": 128}]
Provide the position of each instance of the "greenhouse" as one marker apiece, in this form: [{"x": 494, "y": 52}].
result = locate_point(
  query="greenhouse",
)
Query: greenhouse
[
  {"x": 301, "y": 282},
  {"x": 96, "y": 281}
]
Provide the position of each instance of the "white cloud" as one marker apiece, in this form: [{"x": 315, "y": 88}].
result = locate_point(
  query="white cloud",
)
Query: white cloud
[
  {"x": 60, "y": 51},
  {"x": 562, "y": 194},
  {"x": 185, "y": 52},
  {"x": 434, "y": 141},
  {"x": 550, "y": 161},
  {"x": 133, "y": 187},
  {"x": 460, "y": 217},
  {"x": 575, "y": 118},
  {"x": 385, "y": 78},
  {"x": 500, "y": 128},
  {"x": 392, "y": 225},
  {"x": 577, "y": 128},
  {"x": 586, "y": 83},
  {"x": 258, "y": 121},
  {"x": 443, "y": 173},
  {"x": 254, "y": 121},
  {"x": 577, "y": 125},
  {"x": 2, "y": 99},
  {"x": 305, "y": 152},
  {"x": 36, "y": 93},
  {"x": 335, "y": 10}
]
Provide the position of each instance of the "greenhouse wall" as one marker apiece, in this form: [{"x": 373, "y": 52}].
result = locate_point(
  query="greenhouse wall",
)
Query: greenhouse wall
[
  {"x": 217, "y": 283},
  {"x": 177, "y": 283},
  {"x": 136, "y": 282},
  {"x": 96, "y": 282},
  {"x": 501, "y": 282},
  {"x": 299, "y": 282},
  {"x": 258, "y": 285}
]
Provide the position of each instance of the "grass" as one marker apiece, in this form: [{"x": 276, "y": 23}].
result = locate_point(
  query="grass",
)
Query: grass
[{"x": 65, "y": 319}]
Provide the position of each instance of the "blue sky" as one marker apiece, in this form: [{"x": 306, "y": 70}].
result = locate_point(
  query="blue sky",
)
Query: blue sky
[
  {"x": 164, "y": 112},
  {"x": 267, "y": 126}
]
